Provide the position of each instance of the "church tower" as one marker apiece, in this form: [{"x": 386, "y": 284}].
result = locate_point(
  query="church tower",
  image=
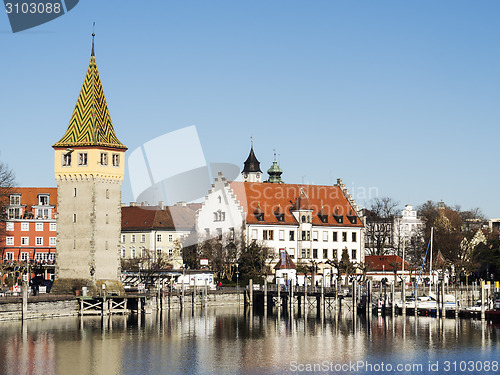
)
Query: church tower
[
  {"x": 251, "y": 171},
  {"x": 89, "y": 168},
  {"x": 275, "y": 172}
]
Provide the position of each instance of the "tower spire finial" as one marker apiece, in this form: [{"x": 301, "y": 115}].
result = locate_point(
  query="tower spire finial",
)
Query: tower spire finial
[
  {"x": 251, "y": 141},
  {"x": 93, "y": 35}
]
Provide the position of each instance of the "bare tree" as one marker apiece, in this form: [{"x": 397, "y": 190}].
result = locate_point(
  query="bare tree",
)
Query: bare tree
[
  {"x": 222, "y": 253},
  {"x": 7, "y": 182},
  {"x": 379, "y": 225}
]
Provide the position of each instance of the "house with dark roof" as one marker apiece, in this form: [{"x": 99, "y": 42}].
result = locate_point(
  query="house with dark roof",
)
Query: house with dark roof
[
  {"x": 156, "y": 232},
  {"x": 311, "y": 223}
]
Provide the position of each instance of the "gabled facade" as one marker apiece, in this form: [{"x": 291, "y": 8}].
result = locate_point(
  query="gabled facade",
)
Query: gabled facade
[
  {"x": 155, "y": 232},
  {"x": 312, "y": 224},
  {"x": 30, "y": 229}
]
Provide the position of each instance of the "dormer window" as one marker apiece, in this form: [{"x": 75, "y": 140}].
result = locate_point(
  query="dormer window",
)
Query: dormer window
[
  {"x": 338, "y": 218},
  {"x": 279, "y": 214},
  {"x": 66, "y": 160},
  {"x": 259, "y": 215},
  {"x": 15, "y": 199},
  {"x": 352, "y": 217},
  {"x": 43, "y": 200},
  {"x": 323, "y": 215},
  {"x": 82, "y": 159}
]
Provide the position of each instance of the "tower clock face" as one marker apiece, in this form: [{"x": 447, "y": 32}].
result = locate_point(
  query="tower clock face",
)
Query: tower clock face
[
  {"x": 258, "y": 175},
  {"x": 245, "y": 175}
]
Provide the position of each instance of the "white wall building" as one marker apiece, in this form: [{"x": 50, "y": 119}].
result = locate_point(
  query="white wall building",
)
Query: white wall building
[{"x": 312, "y": 223}]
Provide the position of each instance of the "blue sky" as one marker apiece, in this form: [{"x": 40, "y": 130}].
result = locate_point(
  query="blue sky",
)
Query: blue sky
[{"x": 395, "y": 96}]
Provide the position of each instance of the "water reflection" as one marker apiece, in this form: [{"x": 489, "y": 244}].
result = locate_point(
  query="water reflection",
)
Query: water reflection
[{"x": 231, "y": 340}]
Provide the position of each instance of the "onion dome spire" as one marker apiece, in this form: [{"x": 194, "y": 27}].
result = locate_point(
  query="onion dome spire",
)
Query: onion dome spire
[{"x": 275, "y": 172}]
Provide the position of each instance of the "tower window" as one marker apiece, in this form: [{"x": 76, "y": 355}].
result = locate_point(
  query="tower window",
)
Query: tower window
[
  {"x": 82, "y": 159},
  {"x": 66, "y": 160},
  {"x": 74, "y": 218},
  {"x": 104, "y": 158},
  {"x": 74, "y": 192},
  {"x": 116, "y": 160},
  {"x": 107, "y": 193}
]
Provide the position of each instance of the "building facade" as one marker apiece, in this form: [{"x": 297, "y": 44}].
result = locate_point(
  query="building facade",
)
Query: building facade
[
  {"x": 155, "y": 233},
  {"x": 388, "y": 235},
  {"x": 312, "y": 224},
  {"x": 30, "y": 231}
]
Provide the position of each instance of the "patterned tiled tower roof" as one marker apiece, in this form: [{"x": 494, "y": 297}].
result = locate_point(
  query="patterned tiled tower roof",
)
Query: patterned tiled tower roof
[{"x": 90, "y": 124}]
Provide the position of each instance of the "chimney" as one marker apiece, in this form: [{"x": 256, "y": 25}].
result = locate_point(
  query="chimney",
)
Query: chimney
[
  {"x": 161, "y": 205},
  {"x": 133, "y": 204}
]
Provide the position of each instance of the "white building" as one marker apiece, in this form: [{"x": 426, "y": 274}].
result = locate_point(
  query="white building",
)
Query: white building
[{"x": 312, "y": 223}]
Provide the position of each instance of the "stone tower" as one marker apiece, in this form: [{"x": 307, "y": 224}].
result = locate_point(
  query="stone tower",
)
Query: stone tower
[{"x": 89, "y": 169}]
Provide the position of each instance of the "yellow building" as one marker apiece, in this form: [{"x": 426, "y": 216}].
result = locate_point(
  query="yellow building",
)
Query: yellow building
[{"x": 89, "y": 168}]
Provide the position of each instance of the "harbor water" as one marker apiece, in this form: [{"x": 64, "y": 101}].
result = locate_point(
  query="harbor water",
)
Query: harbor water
[{"x": 232, "y": 340}]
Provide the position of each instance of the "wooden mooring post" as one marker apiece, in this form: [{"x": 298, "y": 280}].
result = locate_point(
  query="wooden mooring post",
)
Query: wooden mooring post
[
  {"x": 250, "y": 292},
  {"x": 265, "y": 294},
  {"x": 393, "y": 305},
  {"x": 483, "y": 302},
  {"x": 354, "y": 297},
  {"x": 306, "y": 302},
  {"x": 403, "y": 296},
  {"x": 25, "y": 300}
]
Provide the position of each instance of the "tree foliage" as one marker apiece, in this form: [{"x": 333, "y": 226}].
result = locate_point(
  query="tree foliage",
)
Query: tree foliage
[
  {"x": 253, "y": 261},
  {"x": 454, "y": 231}
]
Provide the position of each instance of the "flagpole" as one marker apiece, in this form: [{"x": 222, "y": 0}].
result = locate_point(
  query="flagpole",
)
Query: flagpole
[{"x": 432, "y": 240}]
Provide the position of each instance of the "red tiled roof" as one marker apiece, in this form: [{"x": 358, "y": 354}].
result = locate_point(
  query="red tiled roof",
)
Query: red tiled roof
[
  {"x": 384, "y": 262},
  {"x": 152, "y": 217},
  {"x": 269, "y": 197},
  {"x": 29, "y": 195}
]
